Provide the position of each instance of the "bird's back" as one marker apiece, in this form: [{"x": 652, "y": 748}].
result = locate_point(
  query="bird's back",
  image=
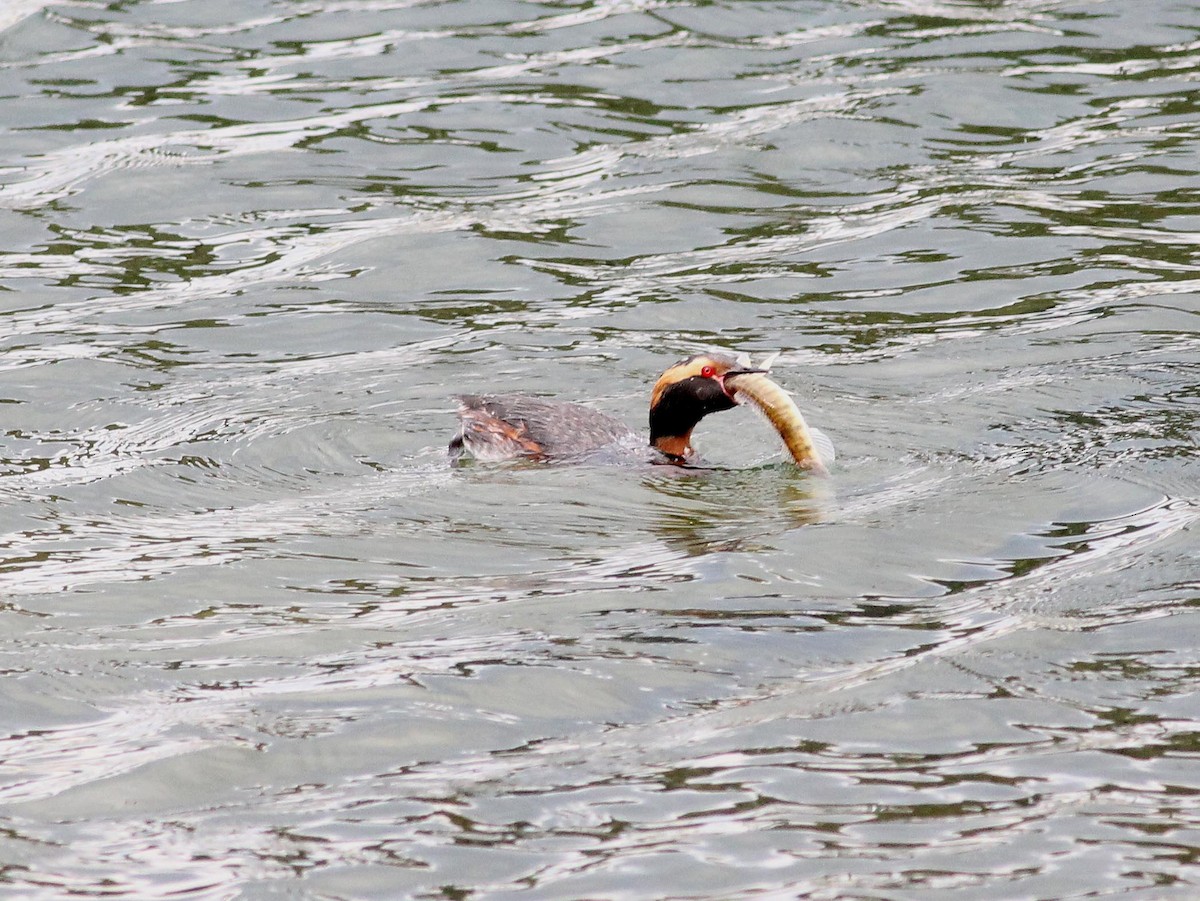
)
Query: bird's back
[{"x": 507, "y": 426}]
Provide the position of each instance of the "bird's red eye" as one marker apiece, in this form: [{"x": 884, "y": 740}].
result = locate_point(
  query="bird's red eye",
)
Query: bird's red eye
[{"x": 708, "y": 372}]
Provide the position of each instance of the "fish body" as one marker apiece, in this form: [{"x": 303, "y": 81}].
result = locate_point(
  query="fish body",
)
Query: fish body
[{"x": 810, "y": 449}]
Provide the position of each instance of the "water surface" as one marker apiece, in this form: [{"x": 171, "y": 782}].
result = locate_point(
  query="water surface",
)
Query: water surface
[{"x": 262, "y": 641}]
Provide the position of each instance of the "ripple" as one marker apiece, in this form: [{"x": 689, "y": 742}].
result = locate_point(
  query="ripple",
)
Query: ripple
[{"x": 258, "y": 632}]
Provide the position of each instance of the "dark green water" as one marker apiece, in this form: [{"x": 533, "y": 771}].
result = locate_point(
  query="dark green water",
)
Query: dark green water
[{"x": 260, "y": 641}]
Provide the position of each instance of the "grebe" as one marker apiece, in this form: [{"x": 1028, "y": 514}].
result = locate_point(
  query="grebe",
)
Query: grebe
[{"x": 496, "y": 427}]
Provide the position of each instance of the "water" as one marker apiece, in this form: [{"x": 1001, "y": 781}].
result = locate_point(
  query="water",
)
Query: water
[{"x": 262, "y": 642}]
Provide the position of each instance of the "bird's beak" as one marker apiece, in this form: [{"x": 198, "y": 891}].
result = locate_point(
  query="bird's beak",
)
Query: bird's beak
[
  {"x": 746, "y": 368},
  {"x": 728, "y": 389}
]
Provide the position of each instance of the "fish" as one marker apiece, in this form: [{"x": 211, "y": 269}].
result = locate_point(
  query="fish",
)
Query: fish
[{"x": 809, "y": 447}]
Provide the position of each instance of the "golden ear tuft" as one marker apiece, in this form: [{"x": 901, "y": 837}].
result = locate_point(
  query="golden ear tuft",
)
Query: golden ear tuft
[{"x": 686, "y": 369}]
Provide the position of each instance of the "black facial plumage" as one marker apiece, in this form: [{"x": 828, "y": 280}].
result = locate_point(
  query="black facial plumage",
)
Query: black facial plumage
[{"x": 685, "y": 403}]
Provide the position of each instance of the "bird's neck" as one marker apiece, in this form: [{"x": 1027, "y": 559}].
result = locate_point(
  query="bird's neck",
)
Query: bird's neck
[{"x": 674, "y": 445}]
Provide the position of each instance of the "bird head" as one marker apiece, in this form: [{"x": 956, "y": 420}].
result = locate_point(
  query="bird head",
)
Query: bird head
[{"x": 686, "y": 393}]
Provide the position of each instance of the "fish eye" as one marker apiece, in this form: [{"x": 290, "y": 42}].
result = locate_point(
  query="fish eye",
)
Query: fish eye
[{"x": 708, "y": 372}]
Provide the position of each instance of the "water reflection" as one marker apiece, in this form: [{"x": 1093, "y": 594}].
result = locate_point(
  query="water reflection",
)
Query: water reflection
[{"x": 709, "y": 510}]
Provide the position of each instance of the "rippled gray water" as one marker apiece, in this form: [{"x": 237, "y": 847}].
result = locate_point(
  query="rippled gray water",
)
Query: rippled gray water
[{"x": 261, "y": 641}]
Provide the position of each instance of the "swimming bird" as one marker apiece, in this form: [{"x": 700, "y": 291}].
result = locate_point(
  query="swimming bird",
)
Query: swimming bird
[{"x": 496, "y": 427}]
